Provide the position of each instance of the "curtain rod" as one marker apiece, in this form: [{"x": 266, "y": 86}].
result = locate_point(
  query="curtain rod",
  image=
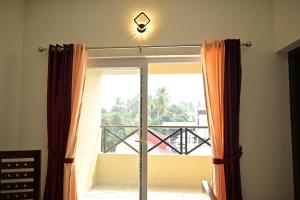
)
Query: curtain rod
[{"x": 245, "y": 44}]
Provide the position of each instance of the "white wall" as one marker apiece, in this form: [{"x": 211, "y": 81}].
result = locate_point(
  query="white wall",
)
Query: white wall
[
  {"x": 11, "y": 39},
  {"x": 265, "y": 134},
  {"x": 286, "y": 24}
]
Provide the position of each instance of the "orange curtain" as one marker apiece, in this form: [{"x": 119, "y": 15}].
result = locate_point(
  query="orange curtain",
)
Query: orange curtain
[
  {"x": 213, "y": 71},
  {"x": 78, "y": 77}
]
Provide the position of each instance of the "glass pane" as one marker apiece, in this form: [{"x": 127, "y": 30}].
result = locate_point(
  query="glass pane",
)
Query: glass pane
[
  {"x": 117, "y": 168},
  {"x": 179, "y": 152}
]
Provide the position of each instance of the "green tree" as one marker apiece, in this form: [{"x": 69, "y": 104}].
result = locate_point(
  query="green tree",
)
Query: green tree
[
  {"x": 182, "y": 112},
  {"x": 160, "y": 102},
  {"x": 133, "y": 110},
  {"x": 119, "y": 106},
  {"x": 120, "y": 114}
]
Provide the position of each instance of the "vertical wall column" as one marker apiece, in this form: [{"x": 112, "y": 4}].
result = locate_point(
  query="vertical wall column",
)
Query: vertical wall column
[{"x": 89, "y": 138}]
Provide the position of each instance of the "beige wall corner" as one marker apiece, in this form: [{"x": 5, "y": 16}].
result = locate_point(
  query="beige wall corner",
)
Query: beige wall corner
[{"x": 88, "y": 145}]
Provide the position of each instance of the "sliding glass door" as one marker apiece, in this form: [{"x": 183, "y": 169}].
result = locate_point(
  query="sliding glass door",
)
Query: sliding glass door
[
  {"x": 179, "y": 152},
  {"x": 121, "y": 171}
]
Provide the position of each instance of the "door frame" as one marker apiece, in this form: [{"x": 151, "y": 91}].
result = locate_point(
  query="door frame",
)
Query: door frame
[
  {"x": 294, "y": 74},
  {"x": 142, "y": 63}
]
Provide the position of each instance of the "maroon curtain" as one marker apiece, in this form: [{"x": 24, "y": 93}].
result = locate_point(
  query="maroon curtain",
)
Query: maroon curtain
[
  {"x": 232, "y": 148},
  {"x": 58, "y": 116}
]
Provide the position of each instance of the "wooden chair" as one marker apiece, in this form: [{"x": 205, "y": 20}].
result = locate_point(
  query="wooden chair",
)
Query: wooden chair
[{"x": 20, "y": 174}]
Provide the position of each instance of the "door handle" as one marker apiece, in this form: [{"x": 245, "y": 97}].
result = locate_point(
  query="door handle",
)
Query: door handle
[{"x": 141, "y": 141}]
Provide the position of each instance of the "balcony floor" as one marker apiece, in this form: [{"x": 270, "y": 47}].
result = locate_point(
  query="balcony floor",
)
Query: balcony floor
[{"x": 125, "y": 192}]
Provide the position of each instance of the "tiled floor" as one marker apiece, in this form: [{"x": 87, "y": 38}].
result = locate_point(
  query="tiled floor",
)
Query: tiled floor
[{"x": 154, "y": 193}]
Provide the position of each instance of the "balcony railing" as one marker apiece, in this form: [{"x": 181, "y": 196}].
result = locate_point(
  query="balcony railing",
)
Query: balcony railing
[{"x": 161, "y": 139}]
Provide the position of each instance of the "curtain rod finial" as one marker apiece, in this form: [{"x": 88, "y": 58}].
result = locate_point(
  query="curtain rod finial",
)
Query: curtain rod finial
[
  {"x": 41, "y": 49},
  {"x": 248, "y": 44}
]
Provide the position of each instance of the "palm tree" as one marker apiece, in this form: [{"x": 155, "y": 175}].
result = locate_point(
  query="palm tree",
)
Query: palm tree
[{"x": 160, "y": 101}]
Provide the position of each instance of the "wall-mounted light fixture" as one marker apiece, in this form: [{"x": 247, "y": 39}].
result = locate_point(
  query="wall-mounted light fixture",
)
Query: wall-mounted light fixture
[{"x": 142, "y": 20}]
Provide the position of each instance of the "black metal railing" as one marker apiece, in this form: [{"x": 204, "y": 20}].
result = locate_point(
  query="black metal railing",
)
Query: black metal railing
[{"x": 165, "y": 139}]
